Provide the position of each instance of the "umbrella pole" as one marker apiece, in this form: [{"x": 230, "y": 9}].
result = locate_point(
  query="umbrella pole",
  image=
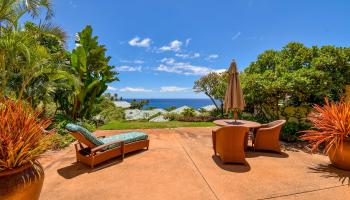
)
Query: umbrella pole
[{"x": 235, "y": 116}]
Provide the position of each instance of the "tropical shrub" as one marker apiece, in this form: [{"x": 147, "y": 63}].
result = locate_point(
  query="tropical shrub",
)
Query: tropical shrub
[
  {"x": 138, "y": 104},
  {"x": 170, "y": 108},
  {"x": 172, "y": 116},
  {"x": 91, "y": 66},
  {"x": 22, "y": 136},
  {"x": 291, "y": 131},
  {"x": 105, "y": 111},
  {"x": 188, "y": 112},
  {"x": 331, "y": 125},
  {"x": 197, "y": 118}
]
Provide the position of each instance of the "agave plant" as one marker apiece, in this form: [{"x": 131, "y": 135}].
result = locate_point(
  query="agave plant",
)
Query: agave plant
[
  {"x": 22, "y": 136},
  {"x": 331, "y": 125}
]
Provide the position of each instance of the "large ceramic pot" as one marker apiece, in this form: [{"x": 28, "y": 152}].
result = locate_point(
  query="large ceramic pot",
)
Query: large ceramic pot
[
  {"x": 22, "y": 183},
  {"x": 341, "y": 158}
]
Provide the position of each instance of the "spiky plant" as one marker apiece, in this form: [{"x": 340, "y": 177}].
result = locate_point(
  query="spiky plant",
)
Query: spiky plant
[
  {"x": 331, "y": 125},
  {"x": 22, "y": 136}
]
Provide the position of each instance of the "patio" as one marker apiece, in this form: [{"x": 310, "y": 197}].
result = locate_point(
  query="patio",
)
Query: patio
[{"x": 180, "y": 165}]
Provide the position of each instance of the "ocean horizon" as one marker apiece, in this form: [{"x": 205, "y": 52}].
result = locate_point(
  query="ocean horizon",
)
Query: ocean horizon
[{"x": 177, "y": 102}]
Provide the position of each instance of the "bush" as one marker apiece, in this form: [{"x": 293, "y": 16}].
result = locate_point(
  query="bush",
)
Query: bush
[
  {"x": 172, "y": 116},
  {"x": 63, "y": 138},
  {"x": 188, "y": 112},
  {"x": 197, "y": 119},
  {"x": 105, "y": 111},
  {"x": 218, "y": 113},
  {"x": 290, "y": 131},
  {"x": 170, "y": 108}
]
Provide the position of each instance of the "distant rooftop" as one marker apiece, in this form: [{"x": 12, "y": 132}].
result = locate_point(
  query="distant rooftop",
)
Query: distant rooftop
[{"x": 122, "y": 104}]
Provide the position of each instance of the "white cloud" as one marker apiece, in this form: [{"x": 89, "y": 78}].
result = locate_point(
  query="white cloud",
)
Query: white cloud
[
  {"x": 236, "y": 35},
  {"x": 168, "y": 60},
  {"x": 173, "y": 46},
  {"x": 126, "y": 68},
  {"x": 212, "y": 56},
  {"x": 185, "y": 68},
  {"x": 138, "y": 42},
  {"x": 132, "y": 89},
  {"x": 133, "y": 61},
  {"x": 172, "y": 89},
  {"x": 111, "y": 88},
  {"x": 187, "y": 42},
  {"x": 220, "y": 70},
  {"x": 184, "y": 55}
]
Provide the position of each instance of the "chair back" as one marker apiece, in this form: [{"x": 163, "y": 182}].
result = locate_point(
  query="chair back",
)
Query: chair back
[
  {"x": 275, "y": 124},
  {"x": 83, "y": 135},
  {"x": 230, "y": 143},
  {"x": 81, "y": 139}
]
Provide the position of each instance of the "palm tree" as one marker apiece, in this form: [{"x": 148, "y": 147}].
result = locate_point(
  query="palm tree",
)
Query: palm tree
[{"x": 12, "y": 10}]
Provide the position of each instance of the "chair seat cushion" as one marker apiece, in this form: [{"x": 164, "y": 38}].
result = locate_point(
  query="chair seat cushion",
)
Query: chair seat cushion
[{"x": 126, "y": 137}]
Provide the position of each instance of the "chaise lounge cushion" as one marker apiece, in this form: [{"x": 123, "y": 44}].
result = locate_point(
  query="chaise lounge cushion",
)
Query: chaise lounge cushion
[
  {"x": 87, "y": 134},
  {"x": 126, "y": 137}
]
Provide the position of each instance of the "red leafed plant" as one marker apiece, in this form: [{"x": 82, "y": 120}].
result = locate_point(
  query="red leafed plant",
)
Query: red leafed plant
[
  {"x": 22, "y": 137},
  {"x": 331, "y": 125}
]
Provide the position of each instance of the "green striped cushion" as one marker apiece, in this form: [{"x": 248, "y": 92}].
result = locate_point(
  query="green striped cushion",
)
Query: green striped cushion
[
  {"x": 87, "y": 134},
  {"x": 126, "y": 137}
]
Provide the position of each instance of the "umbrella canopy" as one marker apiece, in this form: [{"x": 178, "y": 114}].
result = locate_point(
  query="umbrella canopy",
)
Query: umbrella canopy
[{"x": 234, "y": 95}]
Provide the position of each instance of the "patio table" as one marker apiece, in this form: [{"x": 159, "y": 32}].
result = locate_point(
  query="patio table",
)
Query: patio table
[
  {"x": 245, "y": 123},
  {"x": 231, "y": 122}
]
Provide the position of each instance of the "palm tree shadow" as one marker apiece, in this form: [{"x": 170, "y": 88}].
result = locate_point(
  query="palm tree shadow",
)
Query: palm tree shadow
[
  {"x": 329, "y": 171},
  {"x": 238, "y": 168}
]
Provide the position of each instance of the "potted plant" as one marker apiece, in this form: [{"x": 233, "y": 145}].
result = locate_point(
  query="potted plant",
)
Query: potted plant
[
  {"x": 331, "y": 126},
  {"x": 22, "y": 140}
]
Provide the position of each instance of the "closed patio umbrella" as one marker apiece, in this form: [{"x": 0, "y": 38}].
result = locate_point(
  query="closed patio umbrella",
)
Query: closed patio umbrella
[{"x": 234, "y": 96}]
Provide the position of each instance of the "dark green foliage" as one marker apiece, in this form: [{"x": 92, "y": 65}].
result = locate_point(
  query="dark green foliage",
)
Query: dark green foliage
[
  {"x": 170, "y": 108},
  {"x": 296, "y": 75},
  {"x": 290, "y": 131},
  {"x": 138, "y": 104}
]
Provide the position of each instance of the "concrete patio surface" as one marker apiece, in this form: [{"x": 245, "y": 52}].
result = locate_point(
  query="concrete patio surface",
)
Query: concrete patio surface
[{"x": 180, "y": 165}]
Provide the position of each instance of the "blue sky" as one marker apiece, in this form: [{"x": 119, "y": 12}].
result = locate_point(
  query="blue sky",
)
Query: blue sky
[{"x": 160, "y": 47}]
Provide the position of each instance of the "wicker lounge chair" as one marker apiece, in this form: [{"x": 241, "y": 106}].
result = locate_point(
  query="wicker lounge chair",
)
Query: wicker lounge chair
[
  {"x": 228, "y": 142},
  {"x": 91, "y": 150},
  {"x": 267, "y": 137}
]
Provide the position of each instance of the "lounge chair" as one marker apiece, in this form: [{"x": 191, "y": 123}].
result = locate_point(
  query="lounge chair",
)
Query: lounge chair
[
  {"x": 229, "y": 143},
  {"x": 92, "y": 150},
  {"x": 267, "y": 137}
]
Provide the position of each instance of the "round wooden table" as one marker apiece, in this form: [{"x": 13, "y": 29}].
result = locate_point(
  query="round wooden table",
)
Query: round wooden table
[
  {"x": 231, "y": 122},
  {"x": 245, "y": 123}
]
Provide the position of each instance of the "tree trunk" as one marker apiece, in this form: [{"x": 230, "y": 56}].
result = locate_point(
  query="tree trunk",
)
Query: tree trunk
[{"x": 212, "y": 99}]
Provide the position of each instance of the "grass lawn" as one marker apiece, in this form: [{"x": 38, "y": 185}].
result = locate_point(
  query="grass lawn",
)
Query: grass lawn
[{"x": 122, "y": 125}]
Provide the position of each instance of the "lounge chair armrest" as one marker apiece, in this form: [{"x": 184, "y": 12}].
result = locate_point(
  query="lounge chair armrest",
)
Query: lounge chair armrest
[{"x": 102, "y": 147}]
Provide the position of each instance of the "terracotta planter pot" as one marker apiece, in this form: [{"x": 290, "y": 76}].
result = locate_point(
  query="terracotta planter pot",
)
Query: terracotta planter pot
[
  {"x": 22, "y": 183},
  {"x": 341, "y": 159}
]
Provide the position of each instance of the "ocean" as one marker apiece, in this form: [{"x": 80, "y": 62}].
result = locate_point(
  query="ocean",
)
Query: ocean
[{"x": 165, "y": 103}]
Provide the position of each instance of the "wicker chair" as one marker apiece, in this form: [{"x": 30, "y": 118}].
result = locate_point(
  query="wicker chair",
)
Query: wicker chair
[
  {"x": 91, "y": 150},
  {"x": 267, "y": 137},
  {"x": 229, "y": 143}
]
